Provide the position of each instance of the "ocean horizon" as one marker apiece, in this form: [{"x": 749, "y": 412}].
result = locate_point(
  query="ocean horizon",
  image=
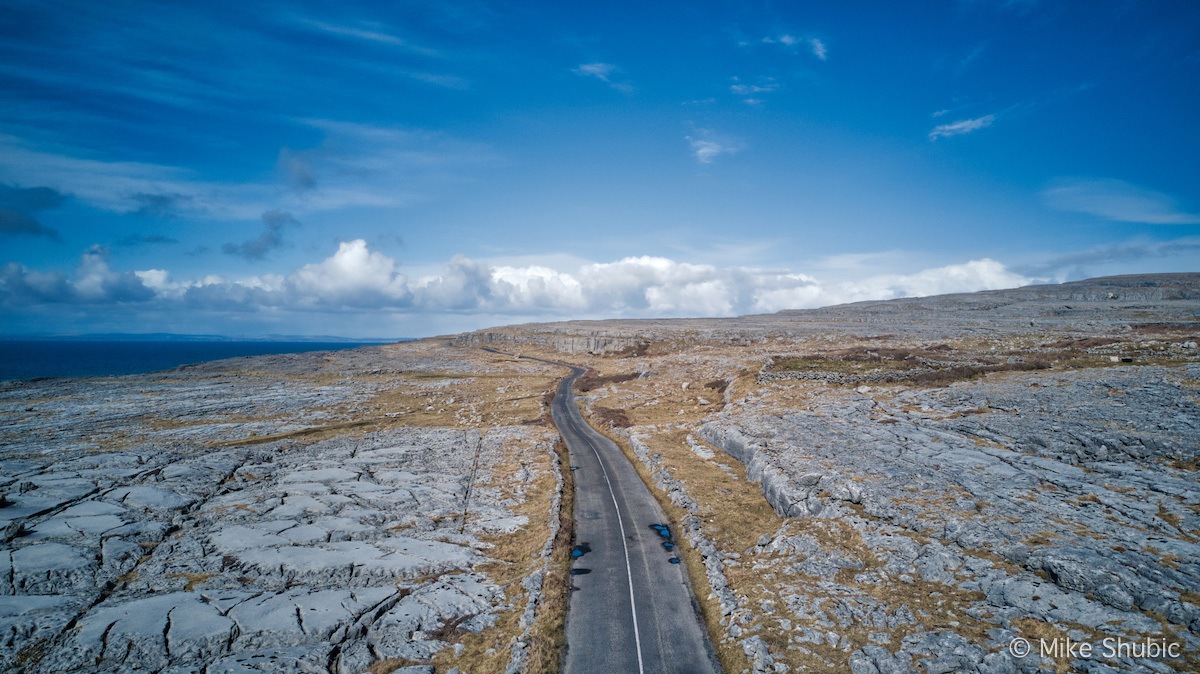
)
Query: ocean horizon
[{"x": 36, "y": 358}]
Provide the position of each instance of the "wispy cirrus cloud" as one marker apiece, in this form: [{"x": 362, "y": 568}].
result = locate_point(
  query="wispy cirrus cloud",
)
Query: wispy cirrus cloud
[
  {"x": 123, "y": 186},
  {"x": 961, "y": 127},
  {"x": 1116, "y": 200},
  {"x": 707, "y": 145},
  {"x": 604, "y": 72},
  {"x": 815, "y": 45},
  {"x": 1084, "y": 263},
  {"x": 745, "y": 89},
  {"x": 784, "y": 39},
  {"x": 371, "y": 33},
  {"x": 354, "y": 165},
  {"x": 437, "y": 79},
  {"x": 750, "y": 92}
]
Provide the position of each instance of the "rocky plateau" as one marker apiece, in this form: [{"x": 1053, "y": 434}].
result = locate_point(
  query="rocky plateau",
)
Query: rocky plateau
[
  {"x": 907, "y": 486},
  {"x": 272, "y": 515},
  {"x": 943, "y": 477}
]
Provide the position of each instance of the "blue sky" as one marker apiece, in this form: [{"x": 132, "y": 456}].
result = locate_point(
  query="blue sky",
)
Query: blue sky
[{"x": 405, "y": 169}]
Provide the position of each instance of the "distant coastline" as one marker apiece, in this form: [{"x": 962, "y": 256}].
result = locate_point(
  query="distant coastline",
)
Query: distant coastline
[
  {"x": 174, "y": 337},
  {"x": 113, "y": 355}
]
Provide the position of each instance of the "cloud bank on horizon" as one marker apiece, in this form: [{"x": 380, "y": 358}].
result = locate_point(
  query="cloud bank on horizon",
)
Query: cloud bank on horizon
[
  {"x": 409, "y": 168},
  {"x": 355, "y": 278}
]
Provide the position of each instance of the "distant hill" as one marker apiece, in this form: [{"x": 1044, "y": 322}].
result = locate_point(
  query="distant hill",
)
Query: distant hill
[{"x": 1106, "y": 303}]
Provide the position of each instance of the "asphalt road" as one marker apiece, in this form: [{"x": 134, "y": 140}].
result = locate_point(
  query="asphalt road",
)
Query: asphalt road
[{"x": 631, "y": 609}]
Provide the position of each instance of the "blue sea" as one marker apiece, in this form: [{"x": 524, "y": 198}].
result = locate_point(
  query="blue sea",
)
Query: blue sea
[{"x": 29, "y": 359}]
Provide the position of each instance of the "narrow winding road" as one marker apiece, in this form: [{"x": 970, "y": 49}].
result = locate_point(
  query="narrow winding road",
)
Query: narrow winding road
[{"x": 631, "y": 608}]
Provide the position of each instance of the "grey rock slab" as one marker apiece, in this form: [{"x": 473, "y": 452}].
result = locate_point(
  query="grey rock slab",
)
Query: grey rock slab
[
  {"x": 320, "y": 475},
  {"x": 284, "y": 660},
  {"x": 300, "y": 616},
  {"x": 52, "y": 568},
  {"x": 29, "y": 619},
  {"x": 148, "y": 497},
  {"x": 152, "y": 632},
  {"x": 402, "y": 632},
  {"x": 873, "y": 659},
  {"x": 73, "y": 527}
]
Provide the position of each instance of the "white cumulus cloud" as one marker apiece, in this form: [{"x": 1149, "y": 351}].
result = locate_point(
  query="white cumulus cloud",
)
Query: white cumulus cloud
[
  {"x": 984, "y": 274},
  {"x": 355, "y": 280},
  {"x": 354, "y": 276}
]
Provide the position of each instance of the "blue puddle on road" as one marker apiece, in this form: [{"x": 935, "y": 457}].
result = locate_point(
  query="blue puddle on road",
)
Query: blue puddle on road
[
  {"x": 669, "y": 544},
  {"x": 577, "y": 552}
]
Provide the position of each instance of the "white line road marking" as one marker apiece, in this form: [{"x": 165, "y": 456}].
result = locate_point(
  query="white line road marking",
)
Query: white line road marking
[{"x": 637, "y": 637}]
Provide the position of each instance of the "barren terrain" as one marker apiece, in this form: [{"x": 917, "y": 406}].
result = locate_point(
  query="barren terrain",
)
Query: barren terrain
[
  {"x": 912, "y": 485},
  {"x": 882, "y": 487},
  {"x": 386, "y": 508}
]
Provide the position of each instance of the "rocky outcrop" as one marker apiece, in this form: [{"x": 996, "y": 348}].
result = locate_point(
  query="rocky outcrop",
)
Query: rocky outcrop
[
  {"x": 1081, "y": 483},
  {"x": 566, "y": 342}
]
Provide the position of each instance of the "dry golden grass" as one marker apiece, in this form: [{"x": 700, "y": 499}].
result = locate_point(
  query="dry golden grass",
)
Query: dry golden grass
[
  {"x": 463, "y": 401},
  {"x": 311, "y": 434},
  {"x": 29, "y": 656},
  {"x": 193, "y": 579},
  {"x": 1191, "y": 465},
  {"x": 390, "y": 665},
  {"x": 1175, "y": 521},
  {"x": 482, "y": 390},
  {"x": 547, "y": 638},
  {"x": 1037, "y": 631},
  {"x": 1045, "y": 537},
  {"x": 154, "y": 422}
]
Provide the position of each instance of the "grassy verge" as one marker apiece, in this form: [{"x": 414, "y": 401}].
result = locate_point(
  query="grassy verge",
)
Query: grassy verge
[{"x": 547, "y": 639}]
